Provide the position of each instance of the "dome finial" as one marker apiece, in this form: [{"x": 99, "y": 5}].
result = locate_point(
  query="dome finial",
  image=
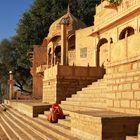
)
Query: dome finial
[{"x": 68, "y": 6}]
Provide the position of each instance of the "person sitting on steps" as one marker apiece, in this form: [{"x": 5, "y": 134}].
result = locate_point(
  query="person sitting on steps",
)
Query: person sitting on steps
[{"x": 56, "y": 113}]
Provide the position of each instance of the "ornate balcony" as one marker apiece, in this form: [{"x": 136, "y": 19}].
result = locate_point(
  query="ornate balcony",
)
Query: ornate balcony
[{"x": 105, "y": 17}]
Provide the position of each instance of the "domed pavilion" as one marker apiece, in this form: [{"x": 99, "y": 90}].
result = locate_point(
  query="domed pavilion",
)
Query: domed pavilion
[{"x": 61, "y": 39}]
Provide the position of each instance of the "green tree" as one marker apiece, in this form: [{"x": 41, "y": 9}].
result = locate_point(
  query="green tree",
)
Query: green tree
[{"x": 10, "y": 60}]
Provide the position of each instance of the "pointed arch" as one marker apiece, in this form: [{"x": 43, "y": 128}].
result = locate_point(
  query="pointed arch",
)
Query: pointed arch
[
  {"x": 57, "y": 53},
  {"x": 100, "y": 43},
  {"x": 128, "y": 31}
]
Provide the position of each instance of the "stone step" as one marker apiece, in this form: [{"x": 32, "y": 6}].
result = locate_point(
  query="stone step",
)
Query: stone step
[
  {"x": 131, "y": 138},
  {"x": 46, "y": 113},
  {"x": 85, "y": 104},
  {"x": 63, "y": 128},
  {"x": 3, "y": 134},
  {"x": 94, "y": 87},
  {"x": 65, "y": 122},
  {"x": 10, "y": 133},
  {"x": 93, "y": 90},
  {"x": 86, "y": 99},
  {"x": 73, "y": 108},
  {"x": 47, "y": 127},
  {"x": 24, "y": 129},
  {"x": 65, "y": 113},
  {"x": 98, "y": 83},
  {"x": 102, "y": 80},
  {"x": 89, "y": 92},
  {"x": 44, "y": 130},
  {"x": 42, "y": 116},
  {"x": 68, "y": 112},
  {"x": 106, "y": 76},
  {"x": 17, "y": 130}
]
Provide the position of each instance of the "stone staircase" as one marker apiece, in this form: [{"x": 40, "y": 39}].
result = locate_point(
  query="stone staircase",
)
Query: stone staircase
[
  {"x": 18, "y": 126},
  {"x": 90, "y": 98},
  {"x": 115, "y": 98},
  {"x": 118, "y": 91}
]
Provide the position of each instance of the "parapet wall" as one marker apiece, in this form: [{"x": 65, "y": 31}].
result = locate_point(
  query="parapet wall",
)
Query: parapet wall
[
  {"x": 105, "y": 16},
  {"x": 125, "y": 50}
]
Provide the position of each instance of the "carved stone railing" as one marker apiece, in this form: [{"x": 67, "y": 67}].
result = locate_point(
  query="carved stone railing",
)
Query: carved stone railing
[
  {"x": 125, "y": 8},
  {"x": 71, "y": 57},
  {"x": 41, "y": 68},
  {"x": 73, "y": 72}
]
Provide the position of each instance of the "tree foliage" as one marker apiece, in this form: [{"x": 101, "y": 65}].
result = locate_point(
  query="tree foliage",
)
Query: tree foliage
[{"x": 10, "y": 61}]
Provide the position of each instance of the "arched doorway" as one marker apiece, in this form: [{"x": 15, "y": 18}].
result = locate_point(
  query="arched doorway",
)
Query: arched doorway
[
  {"x": 57, "y": 53},
  {"x": 71, "y": 50},
  {"x": 128, "y": 31},
  {"x": 100, "y": 43}
]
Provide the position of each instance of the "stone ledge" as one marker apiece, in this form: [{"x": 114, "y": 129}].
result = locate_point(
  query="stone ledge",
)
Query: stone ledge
[
  {"x": 104, "y": 124},
  {"x": 30, "y": 108}
]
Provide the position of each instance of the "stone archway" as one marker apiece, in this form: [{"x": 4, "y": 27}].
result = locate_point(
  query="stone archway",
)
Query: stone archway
[
  {"x": 57, "y": 53},
  {"x": 49, "y": 57},
  {"x": 100, "y": 43},
  {"x": 128, "y": 31}
]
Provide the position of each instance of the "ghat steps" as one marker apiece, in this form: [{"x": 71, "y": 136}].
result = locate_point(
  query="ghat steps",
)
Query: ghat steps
[
  {"x": 99, "y": 98},
  {"x": 115, "y": 92},
  {"x": 19, "y": 126}
]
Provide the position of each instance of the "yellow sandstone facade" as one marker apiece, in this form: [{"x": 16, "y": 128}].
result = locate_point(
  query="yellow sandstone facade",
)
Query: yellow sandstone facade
[
  {"x": 94, "y": 72},
  {"x": 112, "y": 43}
]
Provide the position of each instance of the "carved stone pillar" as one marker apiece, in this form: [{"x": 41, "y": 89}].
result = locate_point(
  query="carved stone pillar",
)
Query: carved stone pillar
[
  {"x": 11, "y": 85},
  {"x": 64, "y": 23}
]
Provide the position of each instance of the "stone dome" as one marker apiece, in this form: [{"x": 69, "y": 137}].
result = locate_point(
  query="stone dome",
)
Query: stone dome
[{"x": 74, "y": 24}]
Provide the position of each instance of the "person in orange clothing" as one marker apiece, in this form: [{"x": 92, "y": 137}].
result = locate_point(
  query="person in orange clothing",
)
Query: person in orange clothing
[{"x": 56, "y": 113}]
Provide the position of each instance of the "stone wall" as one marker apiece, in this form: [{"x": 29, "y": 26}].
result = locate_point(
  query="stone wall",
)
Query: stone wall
[
  {"x": 37, "y": 86},
  {"x": 85, "y": 52},
  {"x": 124, "y": 87},
  {"x": 125, "y": 49},
  {"x": 39, "y": 58}
]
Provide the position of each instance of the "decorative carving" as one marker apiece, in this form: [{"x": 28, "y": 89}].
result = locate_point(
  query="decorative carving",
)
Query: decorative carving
[
  {"x": 113, "y": 4},
  {"x": 65, "y": 21}
]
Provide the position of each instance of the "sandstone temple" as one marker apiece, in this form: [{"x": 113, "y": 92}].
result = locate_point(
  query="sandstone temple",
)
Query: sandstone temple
[{"x": 93, "y": 73}]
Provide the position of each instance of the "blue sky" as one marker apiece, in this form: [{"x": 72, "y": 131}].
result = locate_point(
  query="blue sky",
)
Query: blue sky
[{"x": 10, "y": 13}]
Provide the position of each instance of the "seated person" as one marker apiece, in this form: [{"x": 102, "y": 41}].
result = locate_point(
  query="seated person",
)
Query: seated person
[{"x": 55, "y": 113}]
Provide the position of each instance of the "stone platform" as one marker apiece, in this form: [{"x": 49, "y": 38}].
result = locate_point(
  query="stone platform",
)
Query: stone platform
[
  {"x": 104, "y": 125},
  {"x": 30, "y": 108}
]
